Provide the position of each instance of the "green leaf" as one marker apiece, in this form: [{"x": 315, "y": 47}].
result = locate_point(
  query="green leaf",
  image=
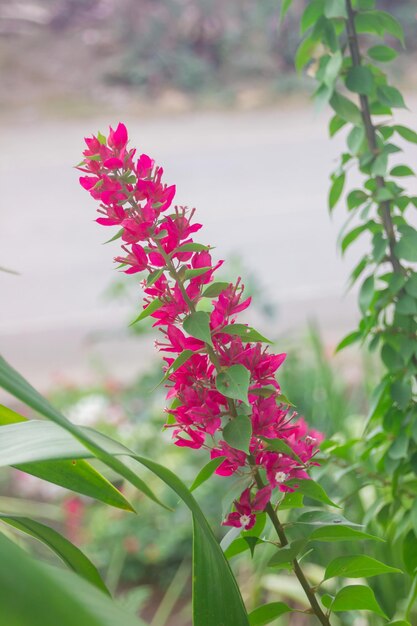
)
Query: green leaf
[
  {"x": 70, "y": 554},
  {"x": 246, "y": 332},
  {"x": 210, "y": 567},
  {"x": 379, "y": 247},
  {"x": 340, "y": 533},
  {"x": 285, "y": 6},
  {"x": 179, "y": 361},
  {"x": 406, "y": 305},
  {"x": 406, "y": 133},
  {"x": 78, "y": 476},
  {"x": 280, "y": 446},
  {"x": 360, "y": 566},
  {"x": 391, "y": 25},
  {"x": 381, "y": 53},
  {"x": 336, "y": 190},
  {"x": 326, "y": 600},
  {"x": 267, "y": 613},
  {"x": 241, "y": 544},
  {"x": 383, "y": 194},
  {"x": 233, "y": 382},
  {"x": 411, "y": 285},
  {"x": 322, "y": 95},
  {"x": 406, "y": 248},
  {"x": 206, "y": 472},
  {"x": 32, "y": 593},
  {"x": 335, "y": 124},
  {"x": 332, "y": 70},
  {"x": 369, "y": 22},
  {"x": 391, "y": 359},
  {"x": 409, "y": 552},
  {"x": 321, "y": 518},
  {"x": 7, "y": 416},
  {"x": 151, "y": 308},
  {"x": 198, "y": 271},
  {"x": 346, "y": 109},
  {"x": 360, "y": 80},
  {"x": 211, "y": 571},
  {"x": 154, "y": 276},
  {"x": 390, "y": 96},
  {"x": 192, "y": 247},
  {"x": 399, "y": 448},
  {"x": 355, "y": 140},
  {"x": 304, "y": 53},
  {"x": 198, "y": 325},
  {"x": 402, "y": 170},
  {"x": 287, "y": 553},
  {"x": 355, "y": 198},
  {"x": 379, "y": 168},
  {"x": 335, "y": 8},
  {"x": 101, "y": 138},
  {"x": 312, "y": 490},
  {"x": 15, "y": 384},
  {"x": 352, "y": 235},
  {"x": 292, "y": 500},
  {"x": 116, "y": 236},
  {"x": 363, "y": 5},
  {"x": 264, "y": 392},
  {"x": 356, "y": 598},
  {"x": 312, "y": 12},
  {"x": 214, "y": 289},
  {"x": 238, "y": 432},
  {"x": 366, "y": 294},
  {"x": 348, "y": 340}
]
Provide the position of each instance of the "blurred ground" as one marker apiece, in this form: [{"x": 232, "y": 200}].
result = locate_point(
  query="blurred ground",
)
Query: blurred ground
[{"x": 259, "y": 180}]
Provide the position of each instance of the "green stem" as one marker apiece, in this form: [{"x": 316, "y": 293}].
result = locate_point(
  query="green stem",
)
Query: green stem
[
  {"x": 172, "y": 595},
  {"x": 311, "y": 596},
  {"x": 370, "y": 132}
]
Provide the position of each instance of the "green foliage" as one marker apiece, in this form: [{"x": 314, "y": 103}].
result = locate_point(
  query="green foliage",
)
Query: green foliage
[
  {"x": 246, "y": 332},
  {"x": 31, "y": 593},
  {"x": 198, "y": 325},
  {"x": 267, "y": 613},
  {"x": 382, "y": 209},
  {"x": 62, "y": 439},
  {"x": 70, "y": 554},
  {"x": 151, "y": 308},
  {"x": 357, "y": 567},
  {"x": 233, "y": 382},
  {"x": 238, "y": 432},
  {"x": 354, "y": 598}
]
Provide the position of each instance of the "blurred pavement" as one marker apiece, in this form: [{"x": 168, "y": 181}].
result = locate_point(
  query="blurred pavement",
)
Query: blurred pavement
[{"x": 259, "y": 181}]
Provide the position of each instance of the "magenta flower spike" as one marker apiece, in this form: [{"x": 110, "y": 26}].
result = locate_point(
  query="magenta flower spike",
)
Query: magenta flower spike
[{"x": 221, "y": 380}]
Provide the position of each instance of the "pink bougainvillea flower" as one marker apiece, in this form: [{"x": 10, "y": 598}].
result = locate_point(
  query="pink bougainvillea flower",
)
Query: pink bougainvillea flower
[
  {"x": 246, "y": 508},
  {"x": 180, "y": 286},
  {"x": 118, "y": 138}
]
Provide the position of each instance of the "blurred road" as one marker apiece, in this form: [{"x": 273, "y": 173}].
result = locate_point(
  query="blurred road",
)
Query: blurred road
[{"x": 259, "y": 181}]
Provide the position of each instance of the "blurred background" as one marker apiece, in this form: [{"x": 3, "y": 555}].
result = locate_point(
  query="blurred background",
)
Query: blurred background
[{"x": 208, "y": 89}]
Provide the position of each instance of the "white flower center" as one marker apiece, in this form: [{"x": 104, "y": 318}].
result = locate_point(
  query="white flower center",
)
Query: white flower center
[
  {"x": 244, "y": 520},
  {"x": 310, "y": 440},
  {"x": 281, "y": 477}
]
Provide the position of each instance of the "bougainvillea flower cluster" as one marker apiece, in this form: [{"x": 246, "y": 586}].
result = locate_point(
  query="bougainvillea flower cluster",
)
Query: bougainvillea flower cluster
[{"x": 222, "y": 389}]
